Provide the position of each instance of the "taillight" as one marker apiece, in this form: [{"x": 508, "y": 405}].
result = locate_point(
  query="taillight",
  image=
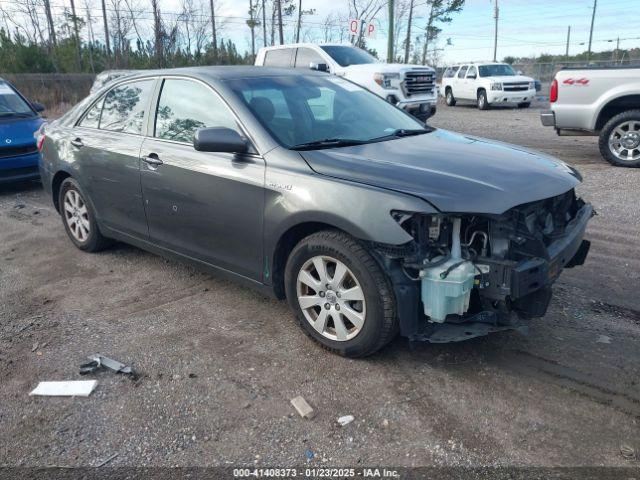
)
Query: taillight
[
  {"x": 553, "y": 91},
  {"x": 41, "y": 140}
]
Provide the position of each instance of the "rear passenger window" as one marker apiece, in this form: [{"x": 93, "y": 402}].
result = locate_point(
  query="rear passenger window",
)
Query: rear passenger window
[
  {"x": 305, "y": 57},
  {"x": 280, "y": 57},
  {"x": 462, "y": 71},
  {"x": 91, "y": 119},
  {"x": 124, "y": 107}
]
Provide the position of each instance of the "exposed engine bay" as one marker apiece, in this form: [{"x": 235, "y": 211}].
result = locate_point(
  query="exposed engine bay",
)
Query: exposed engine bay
[{"x": 473, "y": 274}]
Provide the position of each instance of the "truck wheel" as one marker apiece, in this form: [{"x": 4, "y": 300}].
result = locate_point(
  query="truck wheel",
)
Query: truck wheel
[
  {"x": 450, "y": 100},
  {"x": 78, "y": 218},
  {"x": 524, "y": 105},
  {"x": 482, "y": 100},
  {"x": 620, "y": 139},
  {"x": 341, "y": 297}
]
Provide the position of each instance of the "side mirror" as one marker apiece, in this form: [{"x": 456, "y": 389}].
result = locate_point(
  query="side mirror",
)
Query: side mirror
[
  {"x": 320, "y": 67},
  {"x": 219, "y": 139},
  {"x": 519, "y": 72},
  {"x": 38, "y": 107}
]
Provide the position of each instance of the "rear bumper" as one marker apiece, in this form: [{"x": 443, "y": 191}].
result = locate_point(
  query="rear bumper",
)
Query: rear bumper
[{"x": 548, "y": 118}]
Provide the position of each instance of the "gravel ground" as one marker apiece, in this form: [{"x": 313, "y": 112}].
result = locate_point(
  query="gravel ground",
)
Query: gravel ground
[{"x": 219, "y": 363}]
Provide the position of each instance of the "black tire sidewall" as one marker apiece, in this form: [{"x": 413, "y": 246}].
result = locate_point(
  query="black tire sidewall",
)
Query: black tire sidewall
[
  {"x": 93, "y": 241},
  {"x": 603, "y": 140},
  {"x": 449, "y": 98},
  {"x": 368, "y": 338}
]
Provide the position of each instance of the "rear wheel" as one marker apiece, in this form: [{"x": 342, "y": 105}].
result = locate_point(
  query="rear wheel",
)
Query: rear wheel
[
  {"x": 450, "y": 100},
  {"x": 620, "y": 139},
  {"x": 340, "y": 295},
  {"x": 483, "y": 104},
  {"x": 79, "y": 219}
]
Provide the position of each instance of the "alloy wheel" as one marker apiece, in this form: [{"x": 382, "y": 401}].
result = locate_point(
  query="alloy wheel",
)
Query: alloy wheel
[
  {"x": 76, "y": 215},
  {"x": 624, "y": 141},
  {"x": 331, "y": 298}
]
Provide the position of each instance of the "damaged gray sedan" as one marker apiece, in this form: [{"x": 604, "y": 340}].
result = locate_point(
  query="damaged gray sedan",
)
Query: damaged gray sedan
[{"x": 313, "y": 189}]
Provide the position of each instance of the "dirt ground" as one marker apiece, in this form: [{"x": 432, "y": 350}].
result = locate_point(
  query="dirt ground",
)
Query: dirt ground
[{"x": 219, "y": 363}]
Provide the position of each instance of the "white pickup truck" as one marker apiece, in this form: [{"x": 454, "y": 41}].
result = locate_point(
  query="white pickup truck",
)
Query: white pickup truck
[
  {"x": 599, "y": 101},
  {"x": 487, "y": 84},
  {"x": 410, "y": 87}
]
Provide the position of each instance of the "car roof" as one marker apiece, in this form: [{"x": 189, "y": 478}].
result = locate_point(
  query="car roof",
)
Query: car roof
[
  {"x": 295, "y": 45},
  {"x": 224, "y": 72}
]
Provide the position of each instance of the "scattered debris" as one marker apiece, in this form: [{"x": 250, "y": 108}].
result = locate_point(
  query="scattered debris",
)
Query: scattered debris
[
  {"x": 193, "y": 375},
  {"x": 107, "y": 460},
  {"x": 627, "y": 452},
  {"x": 99, "y": 361},
  {"x": 345, "y": 420},
  {"x": 73, "y": 388},
  {"x": 35, "y": 346},
  {"x": 603, "y": 339},
  {"x": 309, "y": 454},
  {"x": 385, "y": 423},
  {"x": 302, "y": 407}
]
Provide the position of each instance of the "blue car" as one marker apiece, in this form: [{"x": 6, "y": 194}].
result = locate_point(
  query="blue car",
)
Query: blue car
[{"x": 19, "y": 120}]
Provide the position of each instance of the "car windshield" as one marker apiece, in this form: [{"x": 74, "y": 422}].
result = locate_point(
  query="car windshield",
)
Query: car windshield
[
  {"x": 12, "y": 104},
  {"x": 345, "y": 55},
  {"x": 309, "y": 111},
  {"x": 501, "y": 70}
]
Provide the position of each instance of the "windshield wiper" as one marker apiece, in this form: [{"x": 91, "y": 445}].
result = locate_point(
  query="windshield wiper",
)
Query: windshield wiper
[
  {"x": 403, "y": 132},
  {"x": 327, "y": 143}
]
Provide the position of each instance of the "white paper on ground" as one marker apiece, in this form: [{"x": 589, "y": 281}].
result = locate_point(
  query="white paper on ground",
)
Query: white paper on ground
[{"x": 75, "y": 388}]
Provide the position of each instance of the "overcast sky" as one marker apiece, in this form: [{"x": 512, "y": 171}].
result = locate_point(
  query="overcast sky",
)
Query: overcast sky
[{"x": 526, "y": 27}]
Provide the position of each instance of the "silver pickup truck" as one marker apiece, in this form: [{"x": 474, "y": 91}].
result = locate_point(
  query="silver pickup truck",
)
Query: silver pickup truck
[{"x": 599, "y": 101}]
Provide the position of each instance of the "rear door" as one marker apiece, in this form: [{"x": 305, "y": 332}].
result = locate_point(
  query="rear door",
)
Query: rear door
[
  {"x": 470, "y": 82},
  {"x": 106, "y": 145},
  {"x": 459, "y": 83},
  {"x": 206, "y": 205}
]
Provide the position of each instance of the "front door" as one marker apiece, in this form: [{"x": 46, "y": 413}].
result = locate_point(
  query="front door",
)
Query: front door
[
  {"x": 206, "y": 205},
  {"x": 107, "y": 144}
]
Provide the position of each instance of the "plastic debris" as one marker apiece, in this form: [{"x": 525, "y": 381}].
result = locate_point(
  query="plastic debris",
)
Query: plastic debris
[
  {"x": 74, "y": 388},
  {"x": 99, "y": 361},
  {"x": 302, "y": 407},
  {"x": 345, "y": 420},
  {"x": 603, "y": 339},
  {"x": 309, "y": 454},
  {"x": 627, "y": 452}
]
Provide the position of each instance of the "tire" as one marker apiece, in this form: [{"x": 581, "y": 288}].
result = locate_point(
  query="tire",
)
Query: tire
[
  {"x": 483, "y": 104},
  {"x": 79, "y": 219},
  {"x": 377, "y": 309},
  {"x": 524, "y": 105},
  {"x": 450, "y": 100},
  {"x": 611, "y": 131}
]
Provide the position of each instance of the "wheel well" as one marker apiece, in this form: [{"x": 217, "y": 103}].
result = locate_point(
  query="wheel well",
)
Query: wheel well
[
  {"x": 447, "y": 89},
  {"x": 616, "y": 106},
  {"x": 285, "y": 244},
  {"x": 481, "y": 89},
  {"x": 55, "y": 187}
]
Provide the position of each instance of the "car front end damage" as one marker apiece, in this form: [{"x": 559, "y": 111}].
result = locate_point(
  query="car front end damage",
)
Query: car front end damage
[{"x": 467, "y": 275}]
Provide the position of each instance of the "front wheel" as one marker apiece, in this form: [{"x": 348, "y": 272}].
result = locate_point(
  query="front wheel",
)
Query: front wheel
[
  {"x": 620, "y": 139},
  {"x": 341, "y": 297},
  {"x": 483, "y": 104},
  {"x": 450, "y": 100},
  {"x": 79, "y": 219}
]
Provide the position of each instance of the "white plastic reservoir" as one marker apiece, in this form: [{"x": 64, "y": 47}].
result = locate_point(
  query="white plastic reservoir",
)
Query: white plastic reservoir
[{"x": 449, "y": 295}]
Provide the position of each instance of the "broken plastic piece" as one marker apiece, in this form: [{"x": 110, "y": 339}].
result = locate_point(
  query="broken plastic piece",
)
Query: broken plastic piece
[
  {"x": 74, "y": 388},
  {"x": 302, "y": 407},
  {"x": 347, "y": 419},
  {"x": 99, "y": 361}
]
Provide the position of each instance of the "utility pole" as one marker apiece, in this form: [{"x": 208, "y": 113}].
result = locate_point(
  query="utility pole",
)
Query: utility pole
[
  {"x": 407, "y": 43},
  {"x": 496, "y": 13},
  {"x": 390, "y": 34},
  {"x": 566, "y": 53},
  {"x": 214, "y": 36},
  {"x": 264, "y": 23},
  {"x": 106, "y": 28},
  {"x": 299, "y": 21},
  {"x": 91, "y": 39},
  {"x": 615, "y": 54},
  {"x": 593, "y": 19}
]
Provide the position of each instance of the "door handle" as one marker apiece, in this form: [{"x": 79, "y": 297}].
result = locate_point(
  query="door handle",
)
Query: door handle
[
  {"x": 152, "y": 159},
  {"x": 77, "y": 142}
]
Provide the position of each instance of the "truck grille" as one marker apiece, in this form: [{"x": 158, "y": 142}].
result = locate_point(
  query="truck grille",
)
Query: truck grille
[
  {"x": 515, "y": 86},
  {"x": 417, "y": 82},
  {"x": 17, "y": 151}
]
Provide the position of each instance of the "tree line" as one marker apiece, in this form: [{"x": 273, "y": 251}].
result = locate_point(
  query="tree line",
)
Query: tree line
[{"x": 47, "y": 36}]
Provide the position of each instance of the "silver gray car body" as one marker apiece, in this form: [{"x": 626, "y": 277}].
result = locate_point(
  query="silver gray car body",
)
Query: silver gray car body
[{"x": 242, "y": 214}]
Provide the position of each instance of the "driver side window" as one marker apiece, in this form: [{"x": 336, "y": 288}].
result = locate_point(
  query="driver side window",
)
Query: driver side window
[{"x": 472, "y": 73}]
